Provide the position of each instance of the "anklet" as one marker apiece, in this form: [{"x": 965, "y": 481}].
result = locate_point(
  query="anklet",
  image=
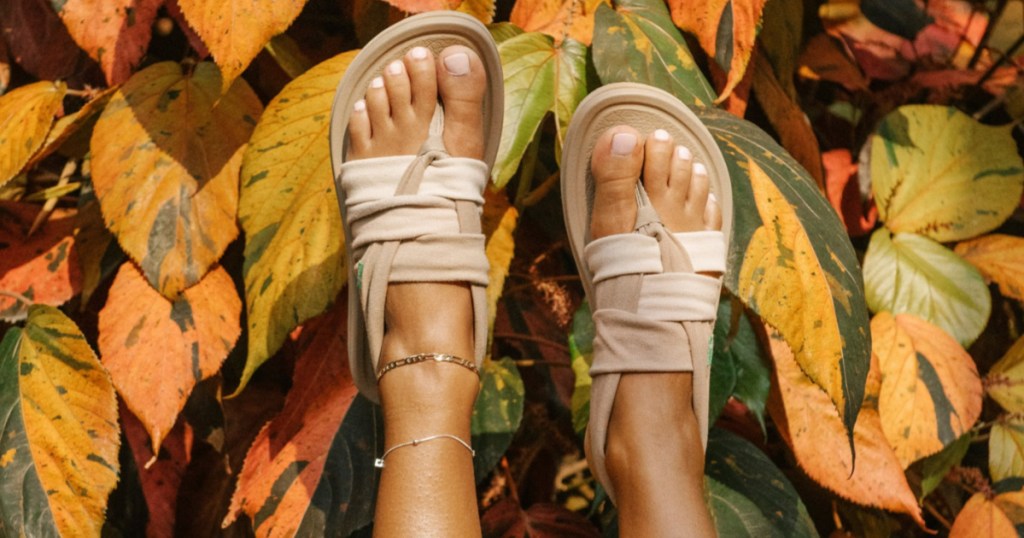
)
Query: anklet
[
  {"x": 379, "y": 462},
  {"x": 423, "y": 357}
]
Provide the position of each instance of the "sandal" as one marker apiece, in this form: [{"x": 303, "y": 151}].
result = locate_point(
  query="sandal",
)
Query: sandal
[
  {"x": 412, "y": 218},
  {"x": 652, "y": 311}
]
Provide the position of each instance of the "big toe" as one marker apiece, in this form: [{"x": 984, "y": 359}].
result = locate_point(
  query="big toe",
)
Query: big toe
[
  {"x": 616, "y": 165},
  {"x": 462, "y": 82}
]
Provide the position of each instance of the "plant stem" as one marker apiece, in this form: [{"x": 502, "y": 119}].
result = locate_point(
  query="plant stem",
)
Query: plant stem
[
  {"x": 18, "y": 297},
  {"x": 988, "y": 32},
  {"x": 529, "y": 165},
  {"x": 538, "y": 194},
  {"x": 1010, "y": 52},
  {"x": 529, "y": 363},
  {"x": 534, "y": 339},
  {"x": 935, "y": 512},
  {"x": 65, "y": 176}
]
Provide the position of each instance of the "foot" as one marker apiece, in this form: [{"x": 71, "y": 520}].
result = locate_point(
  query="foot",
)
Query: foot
[{"x": 654, "y": 456}]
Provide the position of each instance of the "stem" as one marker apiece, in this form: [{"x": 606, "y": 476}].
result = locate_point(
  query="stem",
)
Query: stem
[
  {"x": 18, "y": 297},
  {"x": 509, "y": 481},
  {"x": 534, "y": 339},
  {"x": 1006, "y": 56},
  {"x": 530, "y": 363},
  {"x": 529, "y": 165},
  {"x": 44, "y": 214},
  {"x": 538, "y": 194},
  {"x": 988, "y": 32},
  {"x": 935, "y": 512}
]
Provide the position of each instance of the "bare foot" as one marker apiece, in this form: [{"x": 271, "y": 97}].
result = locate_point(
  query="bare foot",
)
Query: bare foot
[{"x": 654, "y": 453}]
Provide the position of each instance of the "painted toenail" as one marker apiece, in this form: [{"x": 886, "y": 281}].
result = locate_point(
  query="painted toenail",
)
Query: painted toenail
[
  {"x": 683, "y": 153},
  {"x": 623, "y": 143},
  {"x": 377, "y": 82},
  {"x": 712, "y": 198},
  {"x": 457, "y": 64},
  {"x": 699, "y": 170},
  {"x": 395, "y": 68},
  {"x": 661, "y": 134},
  {"x": 360, "y": 106},
  {"x": 419, "y": 53}
]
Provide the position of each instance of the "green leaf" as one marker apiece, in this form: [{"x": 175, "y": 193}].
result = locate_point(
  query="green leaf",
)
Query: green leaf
[
  {"x": 288, "y": 208},
  {"x": 780, "y": 39},
  {"x": 501, "y": 31},
  {"x": 539, "y": 78},
  {"x": 738, "y": 357},
  {"x": 792, "y": 263},
  {"x": 581, "y": 349},
  {"x": 910, "y": 274},
  {"x": 637, "y": 42},
  {"x": 937, "y": 172},
  {"x": 935, "y": 467},
  {"x": 497, "y": 413},
  {"x": 60, "y": 437},
  {"x": 749, "y": 495},
  {"x": 1006, "y": 448}
]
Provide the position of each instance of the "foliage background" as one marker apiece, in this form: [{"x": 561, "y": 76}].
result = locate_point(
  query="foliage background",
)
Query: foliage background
[{"x": 173, "y": 299}]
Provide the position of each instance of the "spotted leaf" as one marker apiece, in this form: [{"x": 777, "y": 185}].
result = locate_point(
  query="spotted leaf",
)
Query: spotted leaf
[
  {"x": 26, "y": 115},
  {"x": 568, "y": 18},
  {"x": 115, "y": 33},
  {"x": 42, "y": 268},
  {"x": 1005, "y": 380}
]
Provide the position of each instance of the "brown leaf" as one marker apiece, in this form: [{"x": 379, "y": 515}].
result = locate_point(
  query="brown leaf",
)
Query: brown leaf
[
  {"x": 1000, "y": 259},
  {"x": 38, "y": 40},
  {"x": 843, "y": 192},
  {"x": 42, "y": 268},
  {"x": 811, "y": 426},
  {"x": 982, "y": 517},
  {"x": 823, "y": 59},
  {"x": 557, "y": 18},
  {"x": 157, "y": 350},
  {"x": 160, "y": 475},
  {"x": 506, "y": 518},
  {"x": 217, "y": 22},
  {"x": 294, "y": 445},
  {"x": 115, "y": 33}
]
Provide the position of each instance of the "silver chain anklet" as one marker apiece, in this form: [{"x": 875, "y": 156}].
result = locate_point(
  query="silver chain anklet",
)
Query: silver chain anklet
[
  {"x": 424, "y": 357},
  {"x": 379, "y": 462}
]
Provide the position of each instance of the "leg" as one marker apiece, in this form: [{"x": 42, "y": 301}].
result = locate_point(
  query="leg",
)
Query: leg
[
  {"x": 428, "y": 489},
  {"x": 654, "y": 453}
]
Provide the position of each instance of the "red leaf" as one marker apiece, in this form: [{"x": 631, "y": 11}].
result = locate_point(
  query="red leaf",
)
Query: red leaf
[
  {"x": 38, "y": 40},
  {"x": 160, "y": 476},
  {"x": 301, "y": 435},
  {"x": 44, "y": 267},
  {"x": 507, "y": 519},
  {"x": 115, "y": 33},
  {"x": 844, "y": 192}
]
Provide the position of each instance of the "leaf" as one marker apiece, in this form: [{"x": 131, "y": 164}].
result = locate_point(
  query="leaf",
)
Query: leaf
[
  {"x": 725, "y": 29},
  {"x": 72, "y": 125},
  {"x": 929, "y": 177},
  {"x": 1000, "y": 259},
  {"x": 780, "y": 40},
  {"x": 420, "y": 6},
  {"x": 931, "y": 393},
  {"x": 497, "y": 413},
  {"x": 481, "y": 10},
  {"x": 178, "y": 222},
  {"x": 194, "y": 41},
  {"x": 791, "y": 262},
  {"x": 98, "y": 253},
  {"x": 284, "y": 465},
  {"x": 823, "y": 59},
  {"x": 910, "y": 274},
  {"x": 156, "y": 350},
  {"x": 768, "y": 498},
  {"x": 935, "y": 467},
  {"x": 60, "y": 438},
  {"x": 1005, "y": 380},
  {"x": 843, "y": 191},
  {"x": 115, "y": 33},
  {"x": 816, "y": 434},
  {"x": 557, "y": 18},
  {"x": 42, "y": 268},
  {"x": 539, "y": 78},
  {"x": 637, "y": 42},
  {"x": 506, "y": 518},
  {"x": 216, "y": 21},
  {"x": 289, "y": 211},
  {"x": 737, "y": 352},
  {"x": 581, "y": 351},
  {"x": 26, "y": 114},
  {"x": 983, "y": 517},
  {"x": 1006, "y": 448},
  {"x": 38, "y": 41},
  {"x": 160, "y": 477},
  {"x": 499, "y": 225}
]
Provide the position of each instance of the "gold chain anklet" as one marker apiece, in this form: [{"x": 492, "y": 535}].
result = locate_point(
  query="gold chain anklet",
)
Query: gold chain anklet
[
  {"x": 424, "y": 357},
  {"x": 379, "y": 462}
]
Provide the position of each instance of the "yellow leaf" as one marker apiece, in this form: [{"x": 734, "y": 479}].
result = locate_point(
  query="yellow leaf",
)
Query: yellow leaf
[
  {"x": 983, "y": 517},
  {"x": 73, "y": 124},
  {"x": 481, "y": 10},
  {"x": 156, "y": 350},
  {"x": 236, "y": 30},
  {"x": 557, "y": 18},
  {"x": 500, "y": 248},
  {"x": 804, "y": 302},
  {"x": 811, "y": 427},
  {"x": 931, "y": 393},
  {"x": 26, "y": 115},
  {"x": 1006, "y": 448},
  {"x": 289, "y": 211},
  {"x": 1005, "y": 380},
  {"x": 1000, "y": 259},
  {"x": 165, "y": 159}
]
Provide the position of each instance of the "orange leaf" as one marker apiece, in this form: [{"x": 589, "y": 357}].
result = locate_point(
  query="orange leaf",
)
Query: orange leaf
[
  {"x": 705, "y": 20},
  {"x": 115, "y": 33},
  {"x": 160, "y": 477},
  {"x": 1000, "y": 259},
  {"x": 157, "y": 350},
  {"x": 26, "y": 115},
  {"x": 823, "y": 59},
  {"x": 982, "y": 517},
  {"x": 931, "y": 393},
  {"x": 236, "y": 30},
  {"x": 811, "y": 426},
  {"x": 843, "y": 192},
  {"x": 42, "y": 268},
  {"x": 166, "y": 154},
  {"x": 284, "y": 465},
  {"x": 557, "y": 18},
  {"x": 420, "y": 6}
]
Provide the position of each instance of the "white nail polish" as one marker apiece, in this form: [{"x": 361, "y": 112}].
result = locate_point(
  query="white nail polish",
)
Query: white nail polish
[
  {"x": 683, "y": 153},
  {"x": 661, "y": 134},
  {"x": 457, "y": 64},
  {"x": 419, "y": 53},
  {"x": 395, "y": 68},
  {"x": 712, "y": 198},
  {"x": 377, "y": 82},
  {"x": 359, "y": 106},
  {"x": 699, "y": 170}
]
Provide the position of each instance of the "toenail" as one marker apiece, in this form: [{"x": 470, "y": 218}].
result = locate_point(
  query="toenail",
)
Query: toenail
[
  {"x": 377, "y": 82},
  {"x": 419, "y": 53},
  {"x": 712, "y": 198},
  {"x": 457, "y": 64},
  {"x": 661, "y": 134},
  {"x": 623, "y": 143},
  {"x": 395, "y": 68},
  {"x": 683, "y": 153},
  {"x": 699, "y": 170},
  {"x": 359, "y": 106}
]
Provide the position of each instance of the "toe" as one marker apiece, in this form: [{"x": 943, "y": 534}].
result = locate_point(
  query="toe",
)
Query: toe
[
  {"x": 420, "y": 65},
  {"x": 657, "y": 162},
  {"x": 700, "y": 186},
  {"x": 616, "y": 165},
  {"x": 461, "y": 82},
  {"x": 359, "y": 130},
  {"x": 377, "y": 106},
  {"x": 396, "y": 82},
  {"x": 712, "y": 214},
  {"x": 682, "y": 166}
]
